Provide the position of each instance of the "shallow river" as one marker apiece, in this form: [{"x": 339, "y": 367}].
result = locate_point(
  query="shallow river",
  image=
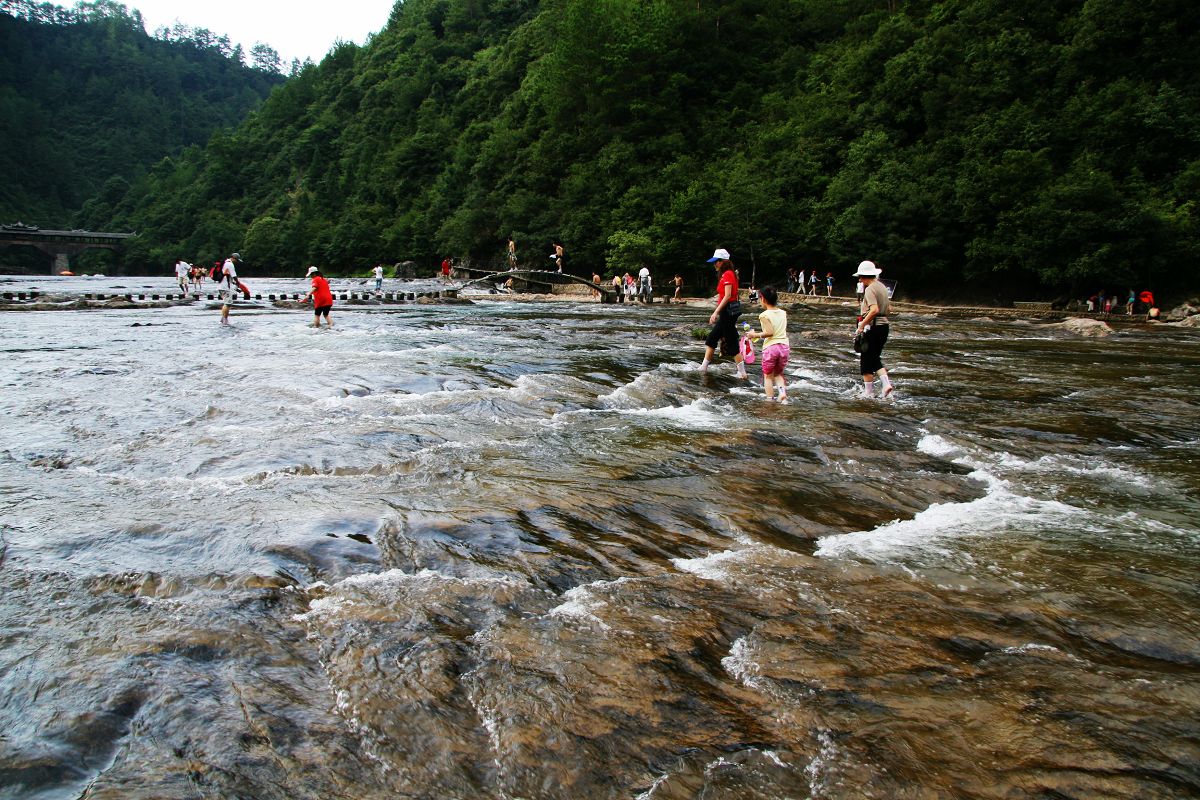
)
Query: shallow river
[{"x": 517, "y": 550}]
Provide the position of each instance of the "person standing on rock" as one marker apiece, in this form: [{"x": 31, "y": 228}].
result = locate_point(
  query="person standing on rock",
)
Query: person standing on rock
[
  {"x": 512, "y": 254},
  {"x": 725, "y": 316},
  {"x": 378, "y": 277},
  {"x": 873, "y": 324}
]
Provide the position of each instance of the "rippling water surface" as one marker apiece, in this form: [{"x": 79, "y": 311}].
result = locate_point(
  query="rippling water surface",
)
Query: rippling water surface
[{"x": 525, "y": 550}]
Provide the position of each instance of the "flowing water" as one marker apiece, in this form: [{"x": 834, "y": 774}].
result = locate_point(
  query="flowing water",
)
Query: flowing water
[{"x": 512, "y": 550}]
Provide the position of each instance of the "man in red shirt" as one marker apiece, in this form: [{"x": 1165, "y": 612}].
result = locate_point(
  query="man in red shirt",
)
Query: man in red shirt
[
  {"x": 725, "y": 316},
  {"x": 446, "y": 269},
  {"x": 322, "y": 298}
]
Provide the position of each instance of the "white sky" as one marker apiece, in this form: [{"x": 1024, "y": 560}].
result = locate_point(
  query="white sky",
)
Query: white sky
[{"x": 295, "y": 28}]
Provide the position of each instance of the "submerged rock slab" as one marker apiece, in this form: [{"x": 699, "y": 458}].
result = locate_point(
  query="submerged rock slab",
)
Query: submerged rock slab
[{"x": 1084, "y": 327}]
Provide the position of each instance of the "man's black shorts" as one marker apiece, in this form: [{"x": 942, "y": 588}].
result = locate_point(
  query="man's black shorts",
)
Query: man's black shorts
[{"x": 869, "y": 360}]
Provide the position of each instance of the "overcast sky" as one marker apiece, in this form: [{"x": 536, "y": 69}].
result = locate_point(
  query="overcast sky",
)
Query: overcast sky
[{"x": 295, "y": 28}]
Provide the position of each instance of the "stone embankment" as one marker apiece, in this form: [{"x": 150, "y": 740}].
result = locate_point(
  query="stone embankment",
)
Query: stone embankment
[{"x": 37, "y": 301}]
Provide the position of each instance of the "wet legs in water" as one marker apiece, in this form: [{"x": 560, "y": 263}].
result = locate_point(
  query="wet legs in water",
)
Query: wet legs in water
[
  {"x": 708, "y": 357},
  {"x": 777, "y": 383},
  {"x": 885, "y": 384}
]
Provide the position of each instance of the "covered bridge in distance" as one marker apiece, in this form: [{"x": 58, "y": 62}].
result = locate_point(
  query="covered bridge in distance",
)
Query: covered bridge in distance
[{"x": 60, "y": 245}]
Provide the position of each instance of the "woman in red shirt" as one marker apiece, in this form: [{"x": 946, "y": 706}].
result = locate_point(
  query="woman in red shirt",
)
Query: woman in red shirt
[
  {"x": 321, "y": 296},
  {"x": 724, "y": 317}
]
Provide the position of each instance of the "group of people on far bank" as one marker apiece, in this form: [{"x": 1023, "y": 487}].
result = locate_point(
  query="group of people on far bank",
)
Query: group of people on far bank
[
  {"x": 1104, "y": 303},
  {"x": 797, "y": 282},
  {"x": 630, "y": 289}
]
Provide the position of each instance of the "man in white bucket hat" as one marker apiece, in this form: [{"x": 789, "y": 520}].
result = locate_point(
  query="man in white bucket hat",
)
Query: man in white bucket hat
[{"x": 873, "y": 324}]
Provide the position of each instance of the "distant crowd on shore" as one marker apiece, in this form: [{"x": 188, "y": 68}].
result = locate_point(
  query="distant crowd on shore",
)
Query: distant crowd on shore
[{"x": 1102, "y": 302}]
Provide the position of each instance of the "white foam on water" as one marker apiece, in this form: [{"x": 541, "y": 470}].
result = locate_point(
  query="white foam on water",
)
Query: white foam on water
[
  {"x": 1003, "y": 507},
  {"x": 394, "y": 586},
  {"x": 811, "y": 380},
  {"x": 934, "y": 445},
  {"x": 1077, "y": 465},
  {"x": 659, "y": 781},
  {"x": 701, "y": 414},
  {"x": 679, "y": 366},
  {"x": 581, "y": 603},
  {"x": 818, "y": 770},
  {"x": 627, "y": 394},
  {"x": 714, "y": 566},
  {"x": 998, "y": 510},
  {"x": 741, "y": 666},
  {"x": 1030, "y": 647},
  {"x": 1074, "y": 465},
  {"x": 747, "y": 389}
]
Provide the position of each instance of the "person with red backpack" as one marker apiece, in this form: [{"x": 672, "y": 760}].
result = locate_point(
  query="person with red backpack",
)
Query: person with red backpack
[{"x": 228, "y": 285}]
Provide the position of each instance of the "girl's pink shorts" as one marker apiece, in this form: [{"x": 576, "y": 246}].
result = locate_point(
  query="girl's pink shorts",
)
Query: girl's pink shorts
[{"x": 775, "y": 358}]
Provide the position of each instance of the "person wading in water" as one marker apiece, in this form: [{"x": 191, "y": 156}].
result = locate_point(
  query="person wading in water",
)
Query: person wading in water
[
  {"x": 724, "y": 317},
  {"x": 873, "y": 324}
]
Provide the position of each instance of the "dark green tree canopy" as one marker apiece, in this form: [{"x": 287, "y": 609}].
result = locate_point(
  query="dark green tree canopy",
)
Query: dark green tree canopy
[
  {"x": 88, "y": 99},
  {"x": 1021, "y": 147}
]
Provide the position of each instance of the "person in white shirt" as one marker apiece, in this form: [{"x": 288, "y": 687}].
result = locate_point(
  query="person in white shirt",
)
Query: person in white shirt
[
  {"x": 378, "y": 277},
  {"x": 645, "y": 287},
  {"x": 182, "y": 271},
  {"x": 228, "y": 287}
]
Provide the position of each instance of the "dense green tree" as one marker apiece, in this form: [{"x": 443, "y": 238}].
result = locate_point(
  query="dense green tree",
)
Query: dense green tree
[
  {"x": 87, "y": 96},
  {"x": 1015, "y": 147}
]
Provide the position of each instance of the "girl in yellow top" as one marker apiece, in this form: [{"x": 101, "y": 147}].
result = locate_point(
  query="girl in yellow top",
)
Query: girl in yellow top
[{"x": 775, "y": 352}]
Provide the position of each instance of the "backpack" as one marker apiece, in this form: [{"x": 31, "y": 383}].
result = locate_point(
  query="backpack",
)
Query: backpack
[{"x": 218, "y": 273}]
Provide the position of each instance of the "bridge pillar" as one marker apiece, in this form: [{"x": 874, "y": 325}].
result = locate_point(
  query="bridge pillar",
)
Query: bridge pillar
[{"x": 62, "y": 263}]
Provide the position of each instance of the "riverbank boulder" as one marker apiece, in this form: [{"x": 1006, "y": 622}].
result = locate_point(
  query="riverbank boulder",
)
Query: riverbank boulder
[
  {"x": 1084, "y": 327},
  {"x": 1192, "y": 321},
  {"x": 1184, "y": 310}
]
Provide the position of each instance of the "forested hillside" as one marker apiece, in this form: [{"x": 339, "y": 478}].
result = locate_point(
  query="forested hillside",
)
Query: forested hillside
[
  {"x": 87, "y": 98},
  {"x": 1011, "y": 146}
]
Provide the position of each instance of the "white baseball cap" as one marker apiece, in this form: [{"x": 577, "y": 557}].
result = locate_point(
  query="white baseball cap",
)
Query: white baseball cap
[
  {"x": 867, "y": 269},
  {"x": 311, "y": 270},
  {"x": 719, "y": 255}
]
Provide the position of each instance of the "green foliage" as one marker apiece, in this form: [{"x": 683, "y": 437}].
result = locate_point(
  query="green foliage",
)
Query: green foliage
[
  {"x": 1020, "y": 147},
  {"x": 628, "y": 251},
  {"x": 87, "y": 97}
]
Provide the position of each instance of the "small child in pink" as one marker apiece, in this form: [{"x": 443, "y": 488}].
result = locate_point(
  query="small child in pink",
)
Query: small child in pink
[{"x": 775, "y": 349}]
